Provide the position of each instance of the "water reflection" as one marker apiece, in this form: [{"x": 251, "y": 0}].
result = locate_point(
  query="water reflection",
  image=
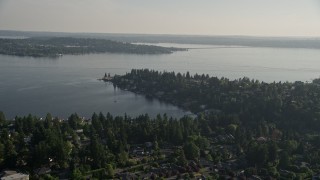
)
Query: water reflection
[{"x": 69, "y": 84}]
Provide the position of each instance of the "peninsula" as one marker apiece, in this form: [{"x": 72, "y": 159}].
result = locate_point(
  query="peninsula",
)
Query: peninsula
[{"x": 58, "y": 46}]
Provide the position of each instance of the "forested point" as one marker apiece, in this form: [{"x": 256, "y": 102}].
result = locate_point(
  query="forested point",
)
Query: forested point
[
  {"x": 58, "y": 46},
  {"x": 291, "y": 105}
]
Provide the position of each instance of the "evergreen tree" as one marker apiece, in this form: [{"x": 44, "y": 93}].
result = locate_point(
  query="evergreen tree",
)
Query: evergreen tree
[
  {"x": 122, "y": 158},
  {"x": 2, "y": 119},
  {"x": 77, "y": 175},
  {"x": 10, "y": 155},
  {"x": 74, "y": 121},
  {"x": 48, "y": 121},
  {"x": 191, "y": 151},
  {"x": 273, "y": 151},
  {"x": 98, "y": 153},
  {"x": 110, "y": 171},
  {"x": 188, "y": 75},
  {"x": 284, "y": 160},
  {"x": 1, "y": 153},
  {"x": 182, "y": 158}
]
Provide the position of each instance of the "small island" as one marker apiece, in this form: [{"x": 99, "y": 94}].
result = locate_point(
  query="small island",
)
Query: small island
[{"x": 58, "y": 46}]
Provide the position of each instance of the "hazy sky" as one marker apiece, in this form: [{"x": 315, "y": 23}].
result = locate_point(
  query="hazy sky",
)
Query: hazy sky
[{"x": 204, "y": 17}]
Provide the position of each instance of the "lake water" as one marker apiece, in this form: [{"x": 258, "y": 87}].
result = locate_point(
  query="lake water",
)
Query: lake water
[{"x": 69, "y": 84}]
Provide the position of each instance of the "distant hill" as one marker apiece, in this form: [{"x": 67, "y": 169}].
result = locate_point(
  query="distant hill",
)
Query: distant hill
[{"x": 251, "y": 41}]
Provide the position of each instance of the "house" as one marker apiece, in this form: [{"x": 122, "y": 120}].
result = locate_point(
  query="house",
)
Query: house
[
  {"x": 316, "y": 177},
  {"x": 85, "y": 142},
  {"x": 13, "y": 175},
  {"x": 205, "y": 163},
  {"x": 79, "y": 131},
  {"x": 42, "y": 171},
  {"x": 148, "y": 144},
  {"x": 255, "y": 177},
  {"x": 27, "y": 139},
  {"x": 138, "y": 151},
  {"x": 127, "y": 176},
  {"x": 166, "y": 152},
  {"x": 262, "y": 139}
]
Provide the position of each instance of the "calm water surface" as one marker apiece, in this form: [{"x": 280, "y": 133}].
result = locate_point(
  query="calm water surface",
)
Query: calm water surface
[{"x": 69, "y": 84}]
